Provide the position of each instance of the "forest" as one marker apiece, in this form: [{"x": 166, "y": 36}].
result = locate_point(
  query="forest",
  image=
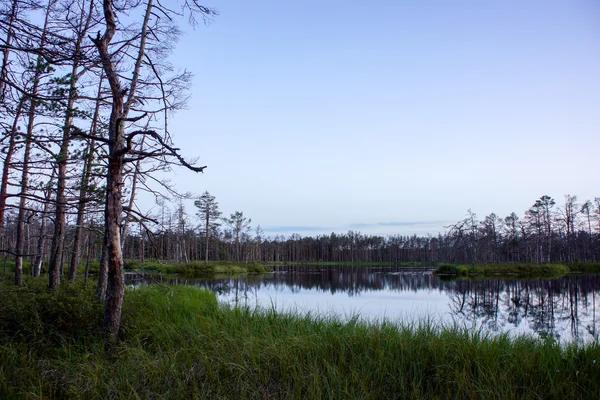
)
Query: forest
[
  {"x": 546, "y": 233},
  {"x": 87, "y": 91}
]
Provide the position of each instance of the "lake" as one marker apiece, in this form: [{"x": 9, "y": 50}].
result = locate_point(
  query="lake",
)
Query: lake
[{"x": 564, "y": 308}]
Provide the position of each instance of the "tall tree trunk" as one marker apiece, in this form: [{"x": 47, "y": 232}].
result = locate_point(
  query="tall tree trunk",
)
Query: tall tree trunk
[
  {"x": 103, "y": 270},
  {"x": 89, "y": 247},
  {"x": 7, "y": 163},
  {"x": 55, "y": 267},
  {"x": 36, "y": 267},
  {"x": 6, "y": 51},
  {"x": 23, "y": 200},
  {"x": 143, "y": 243},
  {"x": 207, "y": 238},
  {"x": 133, "y": 192},
  {"x": 115, "y": 288},
  {"x": 39, "y": 67},
  {"x": 83, "y": 190},
  {"x": 58, "y": 241}
]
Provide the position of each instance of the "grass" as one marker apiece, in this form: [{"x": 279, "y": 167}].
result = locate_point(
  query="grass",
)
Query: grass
[
  {"x": 191, "y": 268},
  {"x": 178, "y": 343},
  {"x": 584, "y": 267},
  {"x": 198, "y": 268},
  {"x": 517, "y": 269},
  {"x": 7, "y": 264}
]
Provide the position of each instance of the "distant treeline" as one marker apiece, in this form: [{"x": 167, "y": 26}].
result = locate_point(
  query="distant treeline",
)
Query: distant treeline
[{"x": 547, "y": 232}]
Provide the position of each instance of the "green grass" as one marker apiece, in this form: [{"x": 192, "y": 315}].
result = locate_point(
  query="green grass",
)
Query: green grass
[
  {"x": 179, "y": 344},
  {"x": 8, "y": 265},
  {"x": 198, "y": 268},
  {"x": 518, "y": 270},
  {"x": 584, "y": 267}
]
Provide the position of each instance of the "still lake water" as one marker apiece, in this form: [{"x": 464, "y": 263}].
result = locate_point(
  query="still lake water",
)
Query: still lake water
[{"x": 567, "y": 308}]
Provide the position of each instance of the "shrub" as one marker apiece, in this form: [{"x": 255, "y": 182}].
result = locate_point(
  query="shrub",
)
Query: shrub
[{"x": 449, "y": 269}]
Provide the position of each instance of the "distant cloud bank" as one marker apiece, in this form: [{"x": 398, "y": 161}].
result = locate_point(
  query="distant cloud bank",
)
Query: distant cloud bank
[
  {"x": 398, "y": 223},
  {"x": 295, "y": 229},
  {"x": 418, "y": 227}
]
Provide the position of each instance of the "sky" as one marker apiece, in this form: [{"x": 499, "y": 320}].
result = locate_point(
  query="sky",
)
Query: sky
[{"x": 390, "y": 117}]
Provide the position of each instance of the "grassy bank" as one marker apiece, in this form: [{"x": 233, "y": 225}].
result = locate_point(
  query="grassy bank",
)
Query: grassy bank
[
  {"x": 198, "y": 268},
  {"x": 231, "y": 267},
  {"x": 179, "y": 344},
  {"x": 584, "y": 268},
  {"x": 518, "y": 270},
  {"x": 364, "y": 263}
]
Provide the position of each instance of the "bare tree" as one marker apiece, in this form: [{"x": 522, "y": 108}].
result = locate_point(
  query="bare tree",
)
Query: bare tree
[
  {"x": 209, "y": 214},
  {"x": 84, "y": 21},
  {"x": 121, "y": 144},
  {"x": 36, "y": 267},
  {"x": 239, "y": 225},
  {"x": 40, "y": 67},
  {"x": 546, "y": 202},
  {"x": 568, "y": 214},
  {"x": 85, "y": 184}
]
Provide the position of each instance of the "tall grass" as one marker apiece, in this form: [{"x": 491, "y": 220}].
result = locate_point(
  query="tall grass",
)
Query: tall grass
[
  {"x": 517, "y": 269},
  {"x": 179, "y": 344},
  {"x": 198, "y": 268}
]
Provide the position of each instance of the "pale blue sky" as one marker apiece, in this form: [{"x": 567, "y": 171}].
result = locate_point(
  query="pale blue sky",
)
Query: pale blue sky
[{"x": 391, "y": 116}]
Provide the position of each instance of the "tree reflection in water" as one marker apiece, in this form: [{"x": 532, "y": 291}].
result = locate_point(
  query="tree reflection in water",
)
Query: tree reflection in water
[
  {"x": 562, "y": 308},
  {"x": 547, "y": 306}
]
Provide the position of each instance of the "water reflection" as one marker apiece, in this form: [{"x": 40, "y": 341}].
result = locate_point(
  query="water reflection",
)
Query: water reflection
[
  {"x": 563, "y": 308},
  {"x": 559, "y": 307}
]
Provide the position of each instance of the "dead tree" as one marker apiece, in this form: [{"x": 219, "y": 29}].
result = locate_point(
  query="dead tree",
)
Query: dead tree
[{"x": 126, "y": 98}]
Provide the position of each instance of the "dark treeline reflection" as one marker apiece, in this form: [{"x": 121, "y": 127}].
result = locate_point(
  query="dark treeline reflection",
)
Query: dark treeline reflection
[
  {"x": 562, "y": 308},
  {"x": 333, "y": 279},
  {"x": 549, "y": 307}
]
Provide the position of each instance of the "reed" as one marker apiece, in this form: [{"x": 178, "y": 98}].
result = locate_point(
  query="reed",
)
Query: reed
[{"x": 179, "y": 343}]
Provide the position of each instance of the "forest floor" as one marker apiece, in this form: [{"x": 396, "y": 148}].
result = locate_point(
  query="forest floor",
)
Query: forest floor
[{"x": 178, "y": 343}]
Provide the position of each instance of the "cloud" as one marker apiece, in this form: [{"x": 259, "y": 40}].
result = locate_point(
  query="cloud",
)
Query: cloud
[
  {"x": 398, "y": 224},
  {"x": 295, "y": 229},
  {"x": 417, "y": 227}
]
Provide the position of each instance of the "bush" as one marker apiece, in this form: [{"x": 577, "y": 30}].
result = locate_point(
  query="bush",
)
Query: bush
[
  {"x": 450, "y": 270},
  {"x": 33, "y": 314}
]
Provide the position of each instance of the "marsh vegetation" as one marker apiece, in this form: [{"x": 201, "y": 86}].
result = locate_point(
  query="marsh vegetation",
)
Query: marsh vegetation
[{"x": 179, "y": 343}]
